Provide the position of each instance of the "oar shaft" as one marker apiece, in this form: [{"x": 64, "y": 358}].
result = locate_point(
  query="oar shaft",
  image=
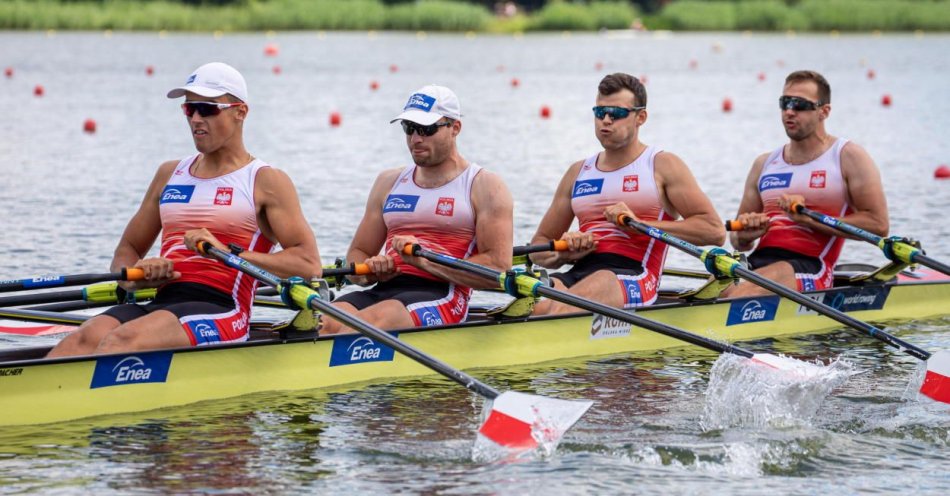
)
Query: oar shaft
[
  {"x": 585, "y": 304},
  {"x": 38, "y": 298},
  {"x": 127, "y": 274},
  {"x": 358, "y": 324},
  {"x": 733, "y": 267}
]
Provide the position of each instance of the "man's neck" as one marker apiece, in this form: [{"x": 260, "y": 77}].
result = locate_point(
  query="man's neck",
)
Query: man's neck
[
  {"x": 222, "y": 161},
  {"x": 808, "y": 149},
  {"x": 620, "y": 157},
  {"x": 439, "y": 175}
]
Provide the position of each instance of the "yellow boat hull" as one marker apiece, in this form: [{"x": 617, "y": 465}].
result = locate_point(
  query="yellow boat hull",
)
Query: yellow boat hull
[{"x": 38, "y": 391}]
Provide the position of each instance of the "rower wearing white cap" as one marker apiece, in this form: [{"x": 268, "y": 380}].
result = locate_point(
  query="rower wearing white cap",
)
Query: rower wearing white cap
[
  {"x": 222, "y": 195},
  {"x": 443, "y": 202}
]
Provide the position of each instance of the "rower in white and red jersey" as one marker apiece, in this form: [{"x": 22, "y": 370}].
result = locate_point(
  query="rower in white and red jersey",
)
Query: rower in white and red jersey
[
  {"x": 444, "y": 203},
  {"x": 222, "y": 195},
  {"x": 612, "y": 264},
  {"x": 827, "y": 174}
]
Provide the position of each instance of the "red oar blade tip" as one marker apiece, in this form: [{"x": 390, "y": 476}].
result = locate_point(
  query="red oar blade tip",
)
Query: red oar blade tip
[
  {"x": 521, "y": 422},
  {"x": 936, "y": 384}
]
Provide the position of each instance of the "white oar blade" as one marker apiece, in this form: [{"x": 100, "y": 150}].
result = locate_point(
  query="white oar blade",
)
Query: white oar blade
[
  {"x": 802, "y": 369},
  {"x": 937, "y": 381},
  {"x": 519, "y": 421}
]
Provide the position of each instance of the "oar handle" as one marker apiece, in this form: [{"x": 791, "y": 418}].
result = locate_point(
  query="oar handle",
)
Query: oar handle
[
  {"x": 530, "y": 286},
  {"x": 734, "y": 225},
  {"x": 307, "y": 297},
  {"x": 553, "y": 245},
  {"x": 359, "y": 269}
]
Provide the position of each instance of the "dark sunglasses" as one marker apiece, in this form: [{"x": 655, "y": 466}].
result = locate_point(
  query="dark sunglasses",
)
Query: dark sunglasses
[
  {"x": 614, "y": 112},
  {"x": 797, "y": 104},
  {"x": 410, "y": 127},
  {"x": 206, "y": 109}
]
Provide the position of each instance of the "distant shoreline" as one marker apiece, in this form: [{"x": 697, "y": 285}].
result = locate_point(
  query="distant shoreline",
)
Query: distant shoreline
[{"x": 806, "y": 16}]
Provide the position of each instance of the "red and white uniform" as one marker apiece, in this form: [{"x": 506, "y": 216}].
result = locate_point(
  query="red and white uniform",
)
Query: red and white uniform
[
  {"x": 443, "y": 220},
  {"x": 635, "y": 185},
  {"x": 821, "y": 184},
  {"x": 225, "y": 206}
]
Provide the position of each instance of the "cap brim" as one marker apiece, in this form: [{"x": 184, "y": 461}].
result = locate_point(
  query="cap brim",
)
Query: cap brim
[
  {"x": 198, "y": 90},
  {"x": 418, "y": 116}
]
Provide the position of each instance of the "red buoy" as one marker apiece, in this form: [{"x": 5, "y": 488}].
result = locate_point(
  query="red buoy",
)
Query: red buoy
[
  {"x": 277, "y": 69},
  {"x": 886, "y": 100},
  {"x": 500, "y": 68},
  {"x": 693, "y": 64},
  {"x": 871, "y": 74},
  {"x": 149, "y": 70},
  {"x": 271, "y": 49},
  {"x": 727, "y": 105},
  {"x": 545, "y": 112},
  {"x": 515, "y": 82},
  {"x": 89, "y": 126},
  {"x": 8, "y": 72},
  {"x": 38, "y": 90},
  {"x": 761, "y": 76},
  {"x": 335, "y": 119},
  {"x": 599, "y": 66},
  {"x": 942, "y": 172},
  {"x": 393, "y": 68},
  {"x": 374, "y": 85}
]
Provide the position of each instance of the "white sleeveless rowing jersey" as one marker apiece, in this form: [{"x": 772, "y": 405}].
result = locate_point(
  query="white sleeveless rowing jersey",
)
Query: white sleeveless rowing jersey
[
  {"x": 442, "y": 218},
  {"x": 823, "y": 187},
  {"x": 225, "y": 206},
  {"x": 634, "y": 184}
]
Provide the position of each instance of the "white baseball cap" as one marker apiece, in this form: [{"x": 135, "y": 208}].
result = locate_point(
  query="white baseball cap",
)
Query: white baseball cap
[
  {"x": 213, "y": 80},
  {"x": 429, "y": 104}
]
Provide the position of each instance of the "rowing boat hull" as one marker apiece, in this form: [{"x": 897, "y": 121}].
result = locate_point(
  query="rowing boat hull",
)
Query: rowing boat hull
[{"x": 43, "y": 391}]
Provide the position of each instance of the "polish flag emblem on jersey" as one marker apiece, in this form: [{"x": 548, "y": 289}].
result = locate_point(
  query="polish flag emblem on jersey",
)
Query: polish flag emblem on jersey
[
  {"x": 223, "y": 196},
  {"x": 446, "y": 206},
  {"x": 817, "y": 179},
  {"x": 631, "y": 183}
]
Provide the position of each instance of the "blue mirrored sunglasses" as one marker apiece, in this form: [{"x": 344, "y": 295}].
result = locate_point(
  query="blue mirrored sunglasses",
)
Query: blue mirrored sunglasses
[{"x": 614, "y": 112}]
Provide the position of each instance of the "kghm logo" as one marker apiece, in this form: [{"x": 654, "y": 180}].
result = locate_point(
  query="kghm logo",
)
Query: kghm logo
[
  {"x": 775, "y": 181},
  {"x": 348, "y": 350},
  {"x": 587, "y": 187},
  {"x": 602, "y": 327},
  {"x": 401, "y": 203},
  {"x": 131, "y": 369},
  {"x": 752, "y": 310},
  {"x": 177, "y": 194},
  {"x": 420, "y": 101}
]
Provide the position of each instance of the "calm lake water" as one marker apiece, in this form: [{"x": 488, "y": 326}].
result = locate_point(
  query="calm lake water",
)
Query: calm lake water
[{"x": 67, "y": 195}]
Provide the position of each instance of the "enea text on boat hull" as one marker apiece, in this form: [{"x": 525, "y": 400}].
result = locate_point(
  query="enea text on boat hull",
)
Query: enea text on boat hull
[
  {"x": 348, "y": 350},
  {"x": 749, "y": 310},
  {"x": 121, "y": 370}
]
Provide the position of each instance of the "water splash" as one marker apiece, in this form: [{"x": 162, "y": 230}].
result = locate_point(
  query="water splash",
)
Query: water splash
[
  {"x": 551, "y": 418},
  {"x": 747, "y": 394}
]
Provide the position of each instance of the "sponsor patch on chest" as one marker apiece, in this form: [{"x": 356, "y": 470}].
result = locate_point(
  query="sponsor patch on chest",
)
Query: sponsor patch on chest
[
  {"x": 775, "y": 181},
  {"x": 400, "y": 203},
  {"x": 587, "y": 187},
  {"x": 177, "y": 193}
]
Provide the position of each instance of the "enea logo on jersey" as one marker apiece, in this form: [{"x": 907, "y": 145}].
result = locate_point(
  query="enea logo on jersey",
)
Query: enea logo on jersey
[
  {"x": 223, "y": 196},
  {"x": 747, "y": 311},
  {"x": 401, "y": 203},
  {"x": 446, "y": 207},
  {"x": 123, "y": 370},
  {"x": 428, "y": 316},
  {"x": 204, "y": 331},
  {"x": 775, "y": 181},
  {"x": 634, "y": 295},
  {"x": 631, "y": 183},
  {"x": 180, "y": 193},
  {"x": 587, "y": 187},
  {"x": 420, "y": 101},
  {"x": 817, "y": 180},
  {"x": 348, "y": 350}
]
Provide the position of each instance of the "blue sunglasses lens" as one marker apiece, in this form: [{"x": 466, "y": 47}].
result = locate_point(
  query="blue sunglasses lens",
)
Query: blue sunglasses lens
[{"x": 614, "y": 112}]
